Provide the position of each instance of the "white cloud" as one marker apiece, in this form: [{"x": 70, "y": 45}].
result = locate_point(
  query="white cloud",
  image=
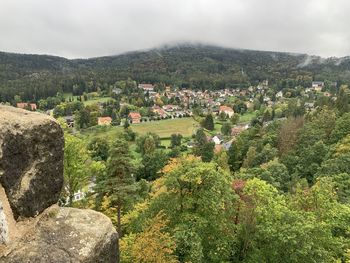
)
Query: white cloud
[{"x": 86, "y": 28}]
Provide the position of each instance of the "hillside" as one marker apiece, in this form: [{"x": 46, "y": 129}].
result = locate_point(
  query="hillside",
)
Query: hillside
[{"x": 195, "y": 66}]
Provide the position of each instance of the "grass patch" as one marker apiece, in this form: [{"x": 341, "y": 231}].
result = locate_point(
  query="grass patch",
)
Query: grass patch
[
  {"x": 97, "y": 100},
  {"x": 165, "y": 128},
  {"x": 246, "y": 117}
]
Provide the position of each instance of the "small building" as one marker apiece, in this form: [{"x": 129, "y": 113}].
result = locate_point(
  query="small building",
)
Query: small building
[
  {"x": 226, "y": 146},
  {"x": 159, "y": 112},
  {"x": 104, "y": 121},
  {"x": 170, "y": 107},
  {"x": 217, "y": 139},
  {"x": 116, "y": 91},
  {"x": 134, "y": 117},
  {"x": 27, "y": 106},
  {"x": 279, "y": 94},
  {"x": 317, "y": 85},
  {"x": 227, "y": 110},
  {"x": 146, "y": 87}
]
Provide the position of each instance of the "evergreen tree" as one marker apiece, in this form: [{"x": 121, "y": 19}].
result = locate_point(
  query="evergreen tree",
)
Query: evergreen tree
[
  {"x": 208, "y": 122},
  {"x": 232, "y": 157},
  {"x": 126, "y": 123},
  {"x": 226, "y": 128},
  {"x": 203, "y": 147},
  {"x": 118, "y": 182},
  {"x": 176, "y": 140}
]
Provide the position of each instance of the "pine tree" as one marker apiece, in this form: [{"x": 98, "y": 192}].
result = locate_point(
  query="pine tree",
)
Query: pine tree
[
  {"x": 208, "y": 122},
  {"x": 118, "y": 182},
  {"x": 126, "y": 123},
  {"x": 232, "y": 157}
]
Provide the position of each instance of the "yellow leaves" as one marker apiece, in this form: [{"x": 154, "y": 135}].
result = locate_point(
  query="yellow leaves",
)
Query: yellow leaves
[
  {"x": 158, "y": 187},
  {"x": 343, "y": 146},
  {"x": 153, "y": 245},
  {"x": 137, "y": 210},
  {"x": 177, "y": 162},
  {"x": 108, "y": 210}
]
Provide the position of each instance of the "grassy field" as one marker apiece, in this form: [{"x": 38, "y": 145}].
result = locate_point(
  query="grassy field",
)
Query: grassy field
[
  {"x": 247, "y": 117},
  {"x": 164, "y": 128},
  {"x": 97, "y": 100}
]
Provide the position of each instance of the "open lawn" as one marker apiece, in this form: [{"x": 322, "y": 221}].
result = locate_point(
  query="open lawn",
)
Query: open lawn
[
  {"x": 246, "y": 117},
  {"x": 97, "y": 100},
  {"x": 165, "y": 128}
]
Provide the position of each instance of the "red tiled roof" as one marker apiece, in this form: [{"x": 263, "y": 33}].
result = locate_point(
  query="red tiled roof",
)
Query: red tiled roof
[
  {"x": 134, "y": 115},
  {"x": 23, "y": 105},
  {"x": 225, "y": 108},
  {"x": 104, "y": 120}
]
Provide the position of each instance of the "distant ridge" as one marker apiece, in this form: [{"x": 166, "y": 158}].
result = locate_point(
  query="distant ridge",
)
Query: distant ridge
[{"x": 185, "y": 65}]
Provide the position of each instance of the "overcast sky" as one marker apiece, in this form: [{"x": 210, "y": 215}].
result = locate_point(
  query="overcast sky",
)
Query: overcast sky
[{"x": 89, "y": 28}]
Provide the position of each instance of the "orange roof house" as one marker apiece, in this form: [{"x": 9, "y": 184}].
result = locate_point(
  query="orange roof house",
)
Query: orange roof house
[
  {"x": 134, "y": 117},
  {"x": 24, "y": 105},
  {"x": 227, "y": 110},
  {"x": 104, "y": 121},
  {"x": 159, "y": 111}
]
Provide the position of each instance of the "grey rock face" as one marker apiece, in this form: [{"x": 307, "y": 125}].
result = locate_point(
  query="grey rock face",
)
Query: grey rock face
[
  {"x": 31, "y": 160},
  {"x": 32, "y": 228},
  {"x": 69, "y": 235}
]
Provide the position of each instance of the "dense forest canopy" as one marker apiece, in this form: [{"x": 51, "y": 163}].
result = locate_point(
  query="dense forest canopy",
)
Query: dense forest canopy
[{"x": 33, "y": 77}]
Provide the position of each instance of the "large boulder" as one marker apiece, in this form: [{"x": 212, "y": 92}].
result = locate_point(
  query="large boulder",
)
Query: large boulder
[
  {"x": 31, "y": 160},
  {"x": 67, "y": 235},
  {"x": 33, "y": 229}
]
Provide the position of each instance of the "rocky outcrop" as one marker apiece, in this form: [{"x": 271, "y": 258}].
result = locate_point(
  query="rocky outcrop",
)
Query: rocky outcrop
[
  {"x": 31, "y": 158},
  {"x": 68, "y": 235},
  {"x": 32, "y": 227}
]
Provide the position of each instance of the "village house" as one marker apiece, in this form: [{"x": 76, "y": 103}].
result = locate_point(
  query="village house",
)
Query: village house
[
  {"x": 159, "y": 112},
  {"x": 170, "y": 108},
  {"x": 279, "y": 94},
  {"x": 226, "y": 146},
  {"x": 317, "y": 85},
  {"x": 227, "y": 110},
  {"x": 104, "y": 121},
  {"x": 26, "y": 106},
  {"x": 116, "y": 91},
  {"x": 217, "y": 139},
  {"x": 146, "y": 87},
  {"x": 134, "y": 117}
]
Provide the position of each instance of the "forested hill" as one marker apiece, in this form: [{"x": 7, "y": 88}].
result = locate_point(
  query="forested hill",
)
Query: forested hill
[{"x": 196, "y": 66}]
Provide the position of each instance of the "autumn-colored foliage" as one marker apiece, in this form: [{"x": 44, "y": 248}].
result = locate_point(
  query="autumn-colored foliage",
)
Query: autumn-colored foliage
[{"x": 153, "y": 245}]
